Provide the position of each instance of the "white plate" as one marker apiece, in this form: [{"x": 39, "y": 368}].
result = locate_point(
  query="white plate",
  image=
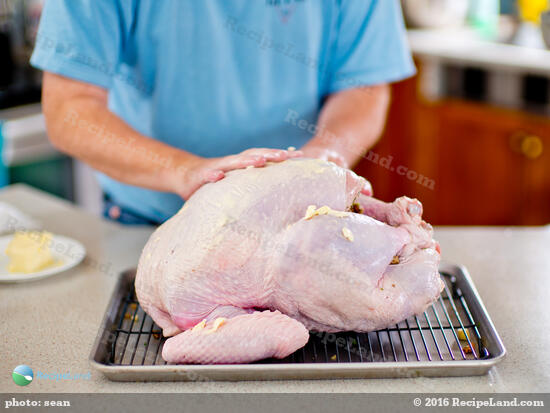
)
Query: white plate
[{"x": 66, "y": 251}]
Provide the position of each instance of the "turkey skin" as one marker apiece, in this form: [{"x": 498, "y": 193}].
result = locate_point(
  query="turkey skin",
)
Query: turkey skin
[{"x": 254, "y": 261}]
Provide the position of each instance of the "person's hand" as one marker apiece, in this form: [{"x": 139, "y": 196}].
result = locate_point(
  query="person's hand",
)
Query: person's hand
[
  {"x": 198, "y": 171},
  {"x": 325, "y": 154},
  {"x": 332, "y": 156}
]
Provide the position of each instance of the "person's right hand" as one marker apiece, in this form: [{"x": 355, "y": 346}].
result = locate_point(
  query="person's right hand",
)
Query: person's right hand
[{"x": 199, "y": 171}]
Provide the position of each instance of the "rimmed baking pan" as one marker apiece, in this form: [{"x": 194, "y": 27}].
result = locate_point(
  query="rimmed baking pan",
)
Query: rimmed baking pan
[{"x": 453, "y": 337}]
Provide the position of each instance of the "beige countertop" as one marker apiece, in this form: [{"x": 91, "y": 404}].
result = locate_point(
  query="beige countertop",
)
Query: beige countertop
[
  {"x": 465, "y": 47},
  {"x": 51, "y": 324}
]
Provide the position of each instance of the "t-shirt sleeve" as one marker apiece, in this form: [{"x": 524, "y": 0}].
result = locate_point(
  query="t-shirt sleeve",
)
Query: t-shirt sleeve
[
  {"x": 81, "y": 39},
  {"x": 371, "y": 45}
]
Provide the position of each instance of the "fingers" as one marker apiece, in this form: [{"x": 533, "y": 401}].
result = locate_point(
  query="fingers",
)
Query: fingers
[
  {"x": 213, "y": 170},
  {"x": 274, "y": 155},
  {"x": 213, "y": 175},
  {"x": 326, "y": 154},
  {"x": 256, "y": 157},
  {"x": 240, "y": 161}
]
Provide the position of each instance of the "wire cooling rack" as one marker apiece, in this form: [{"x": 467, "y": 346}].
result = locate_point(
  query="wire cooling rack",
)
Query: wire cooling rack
[{"x": 453, "y": 331}]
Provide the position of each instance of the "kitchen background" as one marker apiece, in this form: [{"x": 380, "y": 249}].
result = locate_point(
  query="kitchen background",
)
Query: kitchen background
[{"x": 469, "y": 135}]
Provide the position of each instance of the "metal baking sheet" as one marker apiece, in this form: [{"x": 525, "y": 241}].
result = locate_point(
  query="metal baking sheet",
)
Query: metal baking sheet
[{"x": 453, "y": 337}]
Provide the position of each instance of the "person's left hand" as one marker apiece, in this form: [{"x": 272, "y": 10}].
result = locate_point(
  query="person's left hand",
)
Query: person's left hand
[
  {"x": 326, "y": 155},
  {"x": 332, "y": 156}
]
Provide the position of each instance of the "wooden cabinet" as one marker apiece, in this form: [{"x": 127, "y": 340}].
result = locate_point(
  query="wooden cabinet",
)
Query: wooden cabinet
[
  {"x": 536, "y": 174},
  {"x": 488, "y": 166}
]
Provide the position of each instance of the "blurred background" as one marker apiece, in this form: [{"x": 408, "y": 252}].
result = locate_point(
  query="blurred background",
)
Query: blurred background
[{"x": 469, "y": 135}]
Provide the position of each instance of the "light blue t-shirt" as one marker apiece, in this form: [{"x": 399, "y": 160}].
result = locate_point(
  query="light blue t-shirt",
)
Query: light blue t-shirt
[{"x": 216, "y": 77}]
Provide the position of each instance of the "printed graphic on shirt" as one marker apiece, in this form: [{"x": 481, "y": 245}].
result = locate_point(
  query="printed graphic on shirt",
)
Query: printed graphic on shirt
[{"x": 285, "y": 8}]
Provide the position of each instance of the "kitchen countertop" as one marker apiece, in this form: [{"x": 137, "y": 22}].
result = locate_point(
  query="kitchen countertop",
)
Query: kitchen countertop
[
  {"x": 51, "y": 324},
  {"x": 463, "y": 46}
]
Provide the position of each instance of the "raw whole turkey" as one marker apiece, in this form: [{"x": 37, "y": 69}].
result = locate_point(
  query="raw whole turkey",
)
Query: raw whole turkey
[{"x": 254, "y": 261}]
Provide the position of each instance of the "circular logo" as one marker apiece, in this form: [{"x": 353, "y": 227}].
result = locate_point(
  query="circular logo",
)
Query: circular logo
[{"x": 22, "y": 375}]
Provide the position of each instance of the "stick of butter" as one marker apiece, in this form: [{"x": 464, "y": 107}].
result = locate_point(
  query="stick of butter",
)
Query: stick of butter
[{"x": 29, "y": 251}]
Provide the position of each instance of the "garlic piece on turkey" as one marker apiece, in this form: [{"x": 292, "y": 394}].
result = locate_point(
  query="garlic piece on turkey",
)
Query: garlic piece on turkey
[
  {"x": 310, "y": 211},
  {"x": 217, "y": 324},
  {"x": 199, "y": 326},
  {"x": 347, "y": 234},
  {"x": 324, "y": 210}
]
